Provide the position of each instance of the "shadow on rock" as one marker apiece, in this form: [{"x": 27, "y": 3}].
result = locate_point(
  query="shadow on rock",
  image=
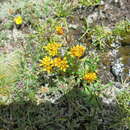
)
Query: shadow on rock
[{"x": 73, "y": 111}]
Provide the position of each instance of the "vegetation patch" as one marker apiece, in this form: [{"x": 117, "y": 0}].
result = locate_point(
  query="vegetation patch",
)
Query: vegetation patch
[{"x": 61, "y": 71}]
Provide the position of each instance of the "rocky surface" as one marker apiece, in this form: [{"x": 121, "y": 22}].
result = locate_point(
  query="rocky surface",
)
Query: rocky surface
[{"x": 107, "y": 13}]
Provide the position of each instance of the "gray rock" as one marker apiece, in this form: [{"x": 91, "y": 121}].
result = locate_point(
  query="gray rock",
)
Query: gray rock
[{"x": 117, "y": 69}]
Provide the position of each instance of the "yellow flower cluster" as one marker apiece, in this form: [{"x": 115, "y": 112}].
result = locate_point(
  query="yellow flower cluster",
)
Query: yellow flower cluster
[
  {"x": 77, "y": 51},
  {"x": 90, "y": 77},
  {"x": 61, "y": 63},
  {"x": 59, "y": 30},
  {"x": 18, "y": 20},
  {"x": 52, "y": 48},
  {"x": 48, "y": 63}
]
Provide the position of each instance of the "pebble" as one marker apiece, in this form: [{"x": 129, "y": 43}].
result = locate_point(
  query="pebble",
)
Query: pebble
[{"x": 117, "y": 68}]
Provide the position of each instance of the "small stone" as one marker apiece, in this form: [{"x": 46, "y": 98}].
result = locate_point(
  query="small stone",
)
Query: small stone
[
  {"x": 117, "y": 69},
  {"x": 118, "y": 85},
  {"x": 73, "y": 26}
]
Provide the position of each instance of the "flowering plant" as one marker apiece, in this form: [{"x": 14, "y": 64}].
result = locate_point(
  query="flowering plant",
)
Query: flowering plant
[
  {"x": 59, "y": 30},
  {"x": 55, "y": 60},
  {"x": 18, "y": 20}
]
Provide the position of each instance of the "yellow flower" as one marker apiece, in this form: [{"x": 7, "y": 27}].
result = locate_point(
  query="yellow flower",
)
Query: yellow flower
[
  {"x": 59, "y": 30},
  {"x": 90, "y": 77},
  {"x": 48, "y": 69},
  {"x": 52, "y": 48},
  {"x": 64, "y": 65},
  {"x": 18, "y": 20},
  {"x": 57, "y": 62},
  {"x": 47, "y": 64},
  {"x": 77, "y": 51},
  {"x": 61, "y": 63}
]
